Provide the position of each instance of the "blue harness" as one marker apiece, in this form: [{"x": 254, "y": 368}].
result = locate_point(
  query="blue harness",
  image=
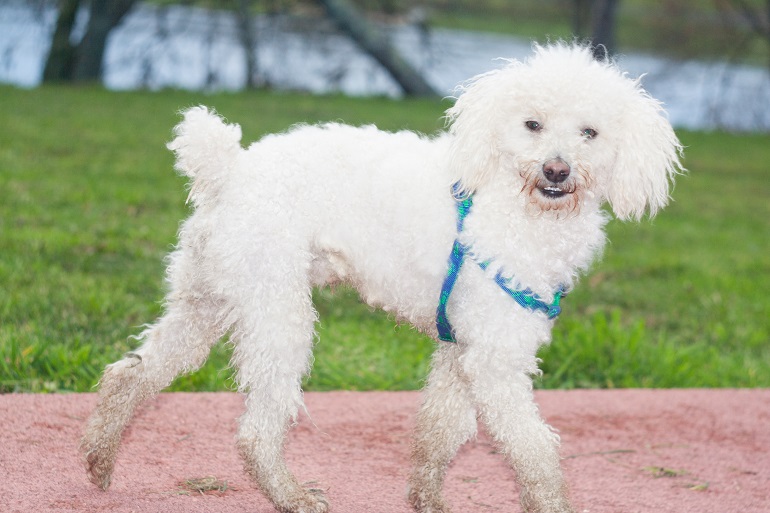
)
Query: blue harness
[{"x": 526, "y": 298}]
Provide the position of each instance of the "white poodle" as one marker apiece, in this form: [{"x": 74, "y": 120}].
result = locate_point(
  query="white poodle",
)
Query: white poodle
[{"x": 471, "y": 236}]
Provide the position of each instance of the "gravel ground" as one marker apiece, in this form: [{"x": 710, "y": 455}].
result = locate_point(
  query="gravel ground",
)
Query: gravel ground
[{"x": 624, "y": 451}]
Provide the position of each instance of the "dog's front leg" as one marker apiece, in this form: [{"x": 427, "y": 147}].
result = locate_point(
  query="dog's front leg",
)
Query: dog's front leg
[
  {"x": 446, "y": 420},
  {"x": 502, "y": 389},
  {"x": 261, "y": 438}
]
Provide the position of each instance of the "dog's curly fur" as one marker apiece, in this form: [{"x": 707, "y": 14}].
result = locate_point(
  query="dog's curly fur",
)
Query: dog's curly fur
[{"x": 540, "y": 145}]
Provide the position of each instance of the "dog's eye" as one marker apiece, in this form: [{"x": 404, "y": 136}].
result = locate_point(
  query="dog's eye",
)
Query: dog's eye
[
  {"x": 590, "y": 133},
  {"x": 533, "y": 125}
]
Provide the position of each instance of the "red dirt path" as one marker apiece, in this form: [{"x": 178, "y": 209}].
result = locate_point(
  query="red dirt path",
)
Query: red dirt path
[{"x": 625, "y": 451}]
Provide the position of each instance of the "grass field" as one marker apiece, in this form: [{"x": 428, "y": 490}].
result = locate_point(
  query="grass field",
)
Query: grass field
[{"x": 89, "y": 206}]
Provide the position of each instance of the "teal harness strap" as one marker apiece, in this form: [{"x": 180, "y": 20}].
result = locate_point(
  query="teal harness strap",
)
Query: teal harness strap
[
  {"x": 526, "y": 298},
  {"x": 456, "y": 259}
]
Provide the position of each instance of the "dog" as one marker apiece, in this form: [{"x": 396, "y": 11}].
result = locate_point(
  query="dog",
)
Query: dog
[{"x": 471, "y": 235}]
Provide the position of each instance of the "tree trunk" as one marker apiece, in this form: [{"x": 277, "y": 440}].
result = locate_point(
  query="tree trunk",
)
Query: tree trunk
[
  {"x": 754, "y": 18},
  {"x": 370, "y": 40},
  {"x": 603, "y": 37},
  {"x": 105, "y": 15},
  {"x": 246, "y": 33},
  {"x": 61, "y": 56},
  {"x": 581, "y": 14}
]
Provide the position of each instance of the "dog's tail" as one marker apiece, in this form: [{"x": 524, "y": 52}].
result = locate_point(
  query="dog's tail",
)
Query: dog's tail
[{"x": 206, "y": 148}]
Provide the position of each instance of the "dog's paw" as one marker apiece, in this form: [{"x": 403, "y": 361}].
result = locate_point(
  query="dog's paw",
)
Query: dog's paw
[
  {"x": 309, "y": 505},
  {"x": 427, "y": 503},
  {"x": 557, "y": 503},
  {"x": 312, "y": 500},
  {"x": 318, "y": 501},
  {"x": 99, "y": 469}
]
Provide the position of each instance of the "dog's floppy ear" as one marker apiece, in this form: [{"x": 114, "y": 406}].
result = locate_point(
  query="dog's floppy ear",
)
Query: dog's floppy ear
[
  {"x": 647, "y": 160},
  {"x": 474, "y": 155}
]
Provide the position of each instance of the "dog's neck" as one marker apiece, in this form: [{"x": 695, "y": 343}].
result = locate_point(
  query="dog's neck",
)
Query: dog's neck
[{"x": 541, "y": 251}]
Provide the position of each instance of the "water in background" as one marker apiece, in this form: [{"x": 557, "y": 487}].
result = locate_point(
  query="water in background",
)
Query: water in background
[{"x": 191, "y": 48}]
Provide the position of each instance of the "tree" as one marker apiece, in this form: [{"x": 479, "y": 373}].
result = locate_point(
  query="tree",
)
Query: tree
[
  {"x": 756, "y": 17},
  {"x": 603, "y": 27},
  {"x": 61, "y": 56},
  {"x": 581, "y": 12},
  {"x": 370, "y": 40},
  {"x": 248, "y": 41},
  {"x": 601, "y": 15},
  {"x": 82, "y": 62}
]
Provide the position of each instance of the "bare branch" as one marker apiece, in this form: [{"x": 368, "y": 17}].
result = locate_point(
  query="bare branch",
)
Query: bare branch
[{"x": 372, "y": 42}]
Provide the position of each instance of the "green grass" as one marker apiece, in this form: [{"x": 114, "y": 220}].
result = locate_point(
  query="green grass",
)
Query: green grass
[
  {"x": 89, "y": 206},
  {"x": 680, "y": 301}
]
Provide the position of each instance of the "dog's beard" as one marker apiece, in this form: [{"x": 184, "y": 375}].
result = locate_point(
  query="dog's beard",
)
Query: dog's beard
[{"x": 563, "y": 199}]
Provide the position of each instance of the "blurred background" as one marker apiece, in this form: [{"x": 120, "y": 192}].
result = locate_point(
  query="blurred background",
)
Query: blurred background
[{"x": 707, "y": 60}]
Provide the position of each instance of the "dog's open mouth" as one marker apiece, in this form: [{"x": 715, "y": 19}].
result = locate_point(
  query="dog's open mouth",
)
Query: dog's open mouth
[{"x": 552, "y": 192}]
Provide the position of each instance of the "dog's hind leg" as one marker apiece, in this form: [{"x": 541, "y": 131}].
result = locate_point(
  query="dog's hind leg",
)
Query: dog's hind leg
[
  {"x": 273, "y": 343},
  {"x": 447, "y": 419},
  {"x": 502, "y": 389},
  {"x": 178, "y": 342}
]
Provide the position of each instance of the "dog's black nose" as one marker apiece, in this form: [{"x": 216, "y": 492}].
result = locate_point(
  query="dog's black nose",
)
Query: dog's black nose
[{"x": 556, "y": 170}]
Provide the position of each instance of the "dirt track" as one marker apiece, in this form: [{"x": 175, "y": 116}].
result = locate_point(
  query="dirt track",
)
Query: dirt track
[{"x": 624, "y": 451}]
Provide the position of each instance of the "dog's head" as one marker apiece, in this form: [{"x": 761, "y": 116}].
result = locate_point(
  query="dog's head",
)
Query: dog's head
[{"x": 564, "y": 129}]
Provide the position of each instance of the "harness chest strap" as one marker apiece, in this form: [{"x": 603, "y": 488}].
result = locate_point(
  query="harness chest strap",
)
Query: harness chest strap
[{"x": 525, "y": 298}]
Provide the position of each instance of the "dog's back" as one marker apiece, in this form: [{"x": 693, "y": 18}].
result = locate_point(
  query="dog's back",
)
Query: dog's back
[{"x": 337, "y": 192}]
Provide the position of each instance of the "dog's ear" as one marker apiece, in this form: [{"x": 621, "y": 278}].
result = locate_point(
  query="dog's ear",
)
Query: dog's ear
[
  {"x": 474, "y": 155},
  {"x": 646, "y": 162}
]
